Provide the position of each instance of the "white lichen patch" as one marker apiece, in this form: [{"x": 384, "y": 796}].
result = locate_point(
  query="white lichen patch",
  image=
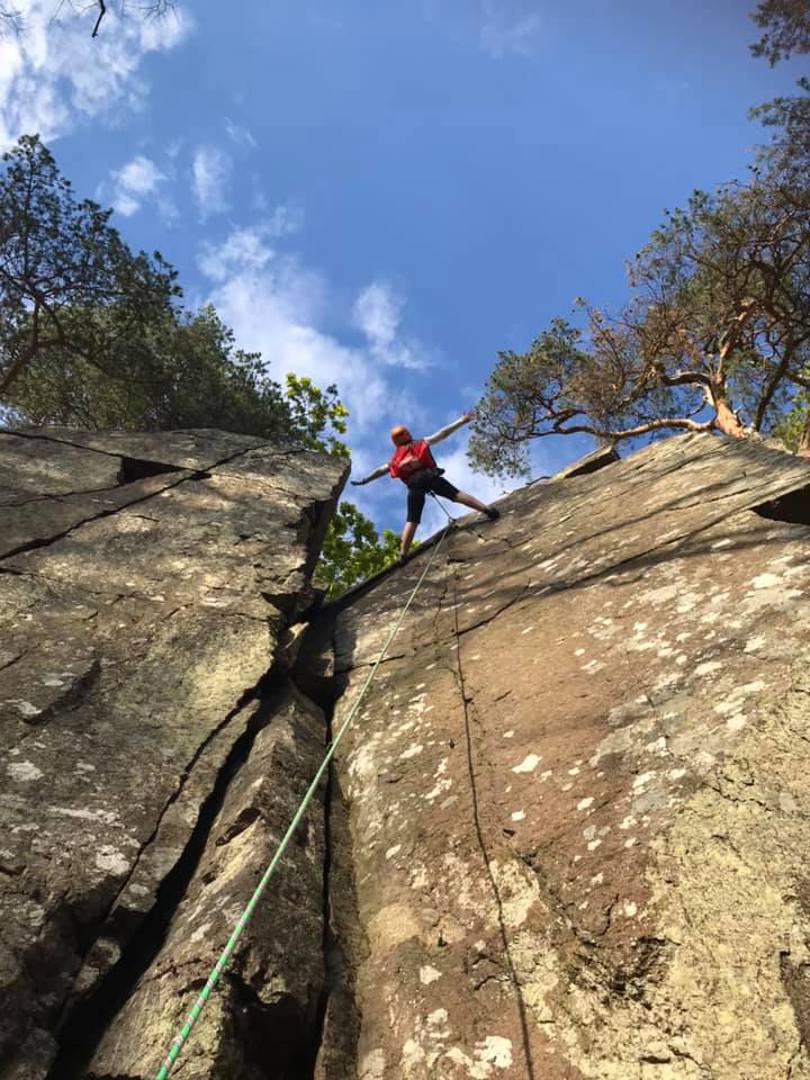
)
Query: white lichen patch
[
  {"x": 529, "y": 764},
  {"x": 438, "y": 789},
  {"x": 495, "y": 1050},
  {"x": 428, "y": 975},
  {"x": 392, "y": 851},
  {"x": 584, "y": 804},
  {"x": 518, "y": 891},
  {"x": 629, "y": 908},
  {"x": 24, "y": 771},
  {"x": 372, "y": 1067},
  {"x": 509, "y": 734},
  {"x": 24, "y": 708},
  {"x": 518, "y": 815},
  {"x": 592, "y": 667},
  {"x": 412, "y": 751},
  {"x": 111, "y": 860},
  {"x": 642, "y": 780},
  {"x": 764, "y": 581}
]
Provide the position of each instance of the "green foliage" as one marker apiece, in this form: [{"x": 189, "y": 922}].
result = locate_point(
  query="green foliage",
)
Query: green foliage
[
  {"x": 181, "y": 371},
  {"x": 60, "y": 258},
  {"x": 787, "y": 29},
  {"x": 312, "y": 410},
  {"x": 352, "y": 551}
]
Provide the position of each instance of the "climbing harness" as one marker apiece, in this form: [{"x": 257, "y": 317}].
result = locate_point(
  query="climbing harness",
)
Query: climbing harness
[{"x": 244, "y": 918}]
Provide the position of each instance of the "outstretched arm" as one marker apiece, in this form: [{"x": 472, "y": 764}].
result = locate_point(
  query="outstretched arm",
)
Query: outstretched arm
[
  {"x": 442, "y": 433},
  {"x": 375, "y": 475}
]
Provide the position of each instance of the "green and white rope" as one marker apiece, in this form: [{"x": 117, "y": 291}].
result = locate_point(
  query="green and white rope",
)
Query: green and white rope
[{"x": 182, "y": 1036}]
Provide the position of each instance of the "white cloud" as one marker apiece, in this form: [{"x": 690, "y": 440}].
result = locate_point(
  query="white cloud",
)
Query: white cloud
[
  {"x": 278, "y": 306},
  {"x": 133, "y": 183},
  {"x": 242, "y": 136},
  {"x": 53, "y": 76},
  {"x": 377, "y": 312},
  {"x": 210, "y": 171}
]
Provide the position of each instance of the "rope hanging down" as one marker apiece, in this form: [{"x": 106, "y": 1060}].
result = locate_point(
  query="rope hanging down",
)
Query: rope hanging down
[{"x": 244, "y": 918}]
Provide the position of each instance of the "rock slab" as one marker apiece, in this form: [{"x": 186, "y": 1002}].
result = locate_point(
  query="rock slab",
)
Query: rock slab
[{"x": 577, "y": 793}]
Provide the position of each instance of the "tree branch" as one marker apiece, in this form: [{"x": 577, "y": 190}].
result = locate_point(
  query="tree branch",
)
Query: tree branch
[{"x": 102, "y": 11}]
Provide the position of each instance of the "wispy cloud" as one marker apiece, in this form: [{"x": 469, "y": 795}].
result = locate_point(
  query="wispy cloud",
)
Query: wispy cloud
[
  {"x": 377, "y": 312},
  {"x": 210, "y": 173},
  {"x": 278, "y": 306},
  {"x": 242, "y": 136},
  {"x": 135, "y": 182},
  {"x": 247, "y": 250},
  {"x": 54, "y": 76}
]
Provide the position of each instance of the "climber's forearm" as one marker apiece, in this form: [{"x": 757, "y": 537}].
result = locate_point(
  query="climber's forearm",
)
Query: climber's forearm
[
  {"x": 375, "y": 475},
  {"x": 443, "y": 433}
]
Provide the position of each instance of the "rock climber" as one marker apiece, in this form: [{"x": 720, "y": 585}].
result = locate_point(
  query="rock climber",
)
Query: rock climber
[{"x": 414, "y": 464}]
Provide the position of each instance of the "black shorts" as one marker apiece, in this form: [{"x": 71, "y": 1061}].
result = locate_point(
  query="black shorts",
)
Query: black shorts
[{"x": 420, "y": 485}]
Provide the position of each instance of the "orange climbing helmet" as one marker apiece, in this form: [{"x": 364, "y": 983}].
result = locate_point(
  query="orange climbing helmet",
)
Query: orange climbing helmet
[{"x": 400, "y": 435}]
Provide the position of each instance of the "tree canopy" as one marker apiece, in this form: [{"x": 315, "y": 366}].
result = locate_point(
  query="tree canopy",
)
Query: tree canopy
[
  {"x": 715, "y": 335},
  {"x": 353, "y": 550},
  {"x": 68, "y": 282},
  {"x": 787, "y": 29}
]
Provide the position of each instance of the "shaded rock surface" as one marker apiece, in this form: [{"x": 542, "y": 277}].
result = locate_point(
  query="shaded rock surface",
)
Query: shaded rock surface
[
  {"x": 576, "y": 795},
  {"x": 145, "y": 583}
]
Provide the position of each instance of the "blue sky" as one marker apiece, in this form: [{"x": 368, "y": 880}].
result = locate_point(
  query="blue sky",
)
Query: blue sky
[{"x": 384, "y": 195}]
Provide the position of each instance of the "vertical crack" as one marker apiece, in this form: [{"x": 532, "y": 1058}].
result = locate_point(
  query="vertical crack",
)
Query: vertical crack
[
  {"x": 482, "y": 844},
  {"x": 82, "y": 1027}
]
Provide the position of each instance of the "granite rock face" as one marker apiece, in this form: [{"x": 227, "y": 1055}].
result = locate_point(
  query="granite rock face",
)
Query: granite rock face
[
  {"x": 150, "y": 747},
  {"x": 565, "y": 836},
  {"x": 577, "y": 797}
]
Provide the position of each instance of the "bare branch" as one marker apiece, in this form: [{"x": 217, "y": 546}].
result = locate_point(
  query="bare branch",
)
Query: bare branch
[{"x": 102, "y": 11}]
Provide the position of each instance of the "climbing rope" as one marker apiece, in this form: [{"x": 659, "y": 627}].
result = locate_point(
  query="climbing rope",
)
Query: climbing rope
[{"x": 182, "y": 1036}]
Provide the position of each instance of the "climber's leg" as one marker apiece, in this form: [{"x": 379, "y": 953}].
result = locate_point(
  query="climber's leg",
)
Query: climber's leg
[
  {"x": 406, "y": 538},
  {"x": 416, "y": 504},
  {"x": 476, "y": 504}
]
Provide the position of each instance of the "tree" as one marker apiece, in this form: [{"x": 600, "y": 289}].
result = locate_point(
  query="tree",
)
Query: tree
[
  {"x": 59, "y": 259},
  {"x": 716, "y": 336},
  {"x": 179, "y": 371},
  {"x": 352, "y": 551},
  {"x": 787, "y": 29}
]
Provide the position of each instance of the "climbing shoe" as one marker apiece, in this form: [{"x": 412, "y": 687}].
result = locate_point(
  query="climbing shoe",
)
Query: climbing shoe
[{"x": 492, "y": 513}]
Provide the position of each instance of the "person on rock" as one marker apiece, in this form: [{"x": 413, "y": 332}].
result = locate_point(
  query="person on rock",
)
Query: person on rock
[{"x": 414, "y": 464}]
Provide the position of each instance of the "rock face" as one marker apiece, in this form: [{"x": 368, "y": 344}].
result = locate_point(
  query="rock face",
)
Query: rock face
[
  {"x": 577, "y": 794},
  {"x": 565, "y": 836},
  {"x": 151, "y": 749}
]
